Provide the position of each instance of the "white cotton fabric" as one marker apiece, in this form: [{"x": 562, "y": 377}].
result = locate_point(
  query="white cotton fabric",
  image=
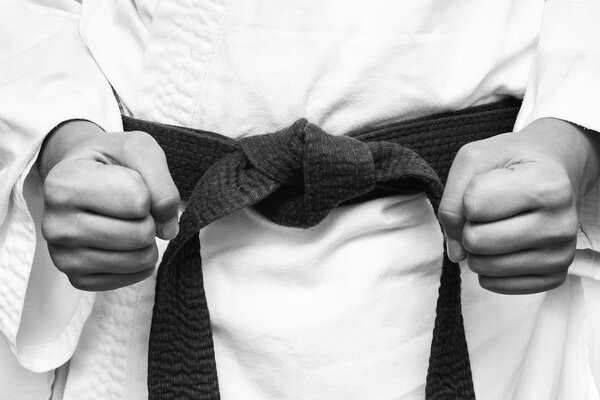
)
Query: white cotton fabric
[{"x": 343, "y": 310}]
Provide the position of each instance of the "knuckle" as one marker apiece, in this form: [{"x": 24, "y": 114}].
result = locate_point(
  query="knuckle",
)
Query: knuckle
[
  {"x": 554, "y": 282},
  {"x": 563, "y": 260},
  {"x": 146, "y": 231},
  {"x": 477, "y": 264},
  {"x": 65, "y": 234},
  {"x": 135, "y": 141},
  {"x": 472, "y": 240},
  {"x": 68, "y": 268},
  {"x": 570, "y": 226},
  {"x": 134, "y": 193},
  {"x": 62, "y": 264},
  {"x": 491, "y": 284},
  {"x": 472, "y": 199},
  {"x": 565, "y": 195},
  {"x": 149, "y": 258},
  {"x": 565, "y": 227},
  {"x": 54, "y": 230},
  {"x": 47, "y": 227},
  {"x": 81, "y": 282},
  {"x": 60, "y": 260},
  {"x": 138, "y": 138},
  {"x": 71, "y": 262},
  {"x": 133, "y": 179},
  {"x": 472, "y": 152},
  {"x": 554, "y": 189},
  {"x": 55, "y": 191},
  {"x": 140, "y": 202}
]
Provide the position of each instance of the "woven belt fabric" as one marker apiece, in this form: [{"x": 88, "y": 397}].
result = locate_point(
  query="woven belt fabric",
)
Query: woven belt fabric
[{"x": 294, "y": 177}]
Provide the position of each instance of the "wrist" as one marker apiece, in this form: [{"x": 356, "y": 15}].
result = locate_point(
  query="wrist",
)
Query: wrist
[
  {"x": 62, "y": 140},
  {"x": 591, "y": 168}
]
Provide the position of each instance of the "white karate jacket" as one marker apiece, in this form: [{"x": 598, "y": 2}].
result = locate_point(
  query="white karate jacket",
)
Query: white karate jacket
[{"x": 285, "y": 322}]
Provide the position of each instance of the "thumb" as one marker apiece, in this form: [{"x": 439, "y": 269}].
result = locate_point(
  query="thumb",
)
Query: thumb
[
  {"x": 471, "y": 160},
  {"x": 140, "y": 152}
]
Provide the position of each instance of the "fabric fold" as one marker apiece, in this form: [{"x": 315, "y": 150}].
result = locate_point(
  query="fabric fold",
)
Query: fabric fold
[{"x": 34, "y": 101}]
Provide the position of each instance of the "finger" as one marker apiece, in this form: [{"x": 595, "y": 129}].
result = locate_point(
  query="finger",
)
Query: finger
[
  {"x": 107, "y": 189},
  {"x": 85, "y": 261},
  {"x": 103, "y": 282},
  {"x": 469, "y": 162},
  {"x": 527, "y": 284},
  {"x": 547, "y": 261},
  {"x": 506, "y": 192},
  {"x": 91, "y": 230},
  {"x": 142, "y": 153},
  {"x": 521, "y": 232}
]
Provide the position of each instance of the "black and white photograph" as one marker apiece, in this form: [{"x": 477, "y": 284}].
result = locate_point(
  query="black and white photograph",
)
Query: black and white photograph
[{"x": 299, "y": 200}]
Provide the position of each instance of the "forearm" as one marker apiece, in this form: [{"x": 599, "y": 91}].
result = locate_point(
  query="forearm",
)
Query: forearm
[{"x": 589, "y": 171}]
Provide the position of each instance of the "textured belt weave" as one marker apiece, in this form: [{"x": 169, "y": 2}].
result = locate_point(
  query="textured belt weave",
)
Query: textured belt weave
[{"x": 294, "y": 177}]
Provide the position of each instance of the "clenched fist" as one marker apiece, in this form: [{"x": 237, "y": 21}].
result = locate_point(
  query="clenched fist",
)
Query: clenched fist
[
  {"x": 106, "y": 197},
  {"x": 510, "y": 204}
]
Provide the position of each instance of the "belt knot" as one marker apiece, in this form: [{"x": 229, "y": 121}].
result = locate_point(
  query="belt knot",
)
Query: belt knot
[{"x": 317, "y": 172}]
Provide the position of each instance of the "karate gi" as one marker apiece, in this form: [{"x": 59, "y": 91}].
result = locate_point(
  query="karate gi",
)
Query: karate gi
[{"x": 296, "y": 314}]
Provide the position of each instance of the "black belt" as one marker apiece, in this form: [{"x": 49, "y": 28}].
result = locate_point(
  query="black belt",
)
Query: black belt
[{"x": 294, "y": 177}]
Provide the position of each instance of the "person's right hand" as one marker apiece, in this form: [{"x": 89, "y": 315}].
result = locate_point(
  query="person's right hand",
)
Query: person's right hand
[{"x": 106, "y": 197}]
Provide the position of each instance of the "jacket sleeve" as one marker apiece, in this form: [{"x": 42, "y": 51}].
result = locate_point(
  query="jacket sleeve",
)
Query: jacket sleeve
[
  {"x": 47, "y": 76},
  {"x": 565, "y": 79},
  {"x": 565, "y": 84}
]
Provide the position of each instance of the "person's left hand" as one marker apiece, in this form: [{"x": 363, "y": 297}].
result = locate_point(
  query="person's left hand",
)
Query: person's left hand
[{"x": 510, "y": 206}]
